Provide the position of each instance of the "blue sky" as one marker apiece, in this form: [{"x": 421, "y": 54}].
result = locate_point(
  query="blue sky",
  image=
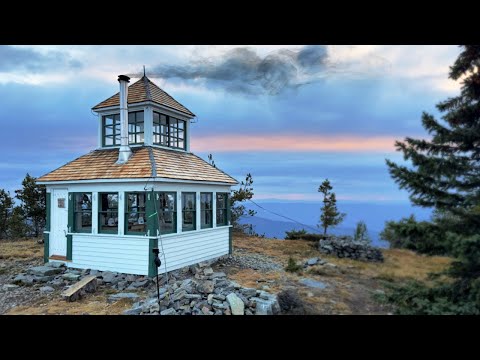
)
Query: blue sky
[{"x": 290, "y": 115}]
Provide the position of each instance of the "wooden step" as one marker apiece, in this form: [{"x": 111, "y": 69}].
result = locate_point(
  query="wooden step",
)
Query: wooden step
[
  {"x": 76, "y": 291},
  {"x": 58, "y": 257}
]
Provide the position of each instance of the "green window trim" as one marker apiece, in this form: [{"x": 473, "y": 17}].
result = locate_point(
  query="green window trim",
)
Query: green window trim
[
  {"x": 191, "y": 209},
  {"x": 169, "y": 131},
  {"x": 128, "y": 211},
  {"x": 222, "y": 208},
  {"x": 48, "y": 209},
  {"x": 106, "y": 212},
  {"x": 206, "y": 210},
  {"x": 76, "y": 211},
  {"x": 163, "y": 207}
]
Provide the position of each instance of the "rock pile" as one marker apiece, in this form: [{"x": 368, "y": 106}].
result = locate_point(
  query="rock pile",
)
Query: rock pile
[
  {"x": 346, "y": 247},
  {"x": 208, "y": 293}
]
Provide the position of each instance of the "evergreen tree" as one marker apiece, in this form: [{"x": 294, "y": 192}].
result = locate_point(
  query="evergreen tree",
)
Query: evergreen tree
[
  {"x": 33, "y": 198},
  {"x": 238, "y": 197},
  {"x": 330, "y": 215},
  {"x": 16, "y": 226},
  {"x": 446, "y": 175},
  {"x": 361, "y": 233},
  {"x": 6, "y": 204}
]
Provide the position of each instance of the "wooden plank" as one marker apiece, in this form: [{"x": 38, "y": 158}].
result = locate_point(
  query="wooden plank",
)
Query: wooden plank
[
  {"x": 58, "y": 257},
  {"x": 75, "y": 292}
]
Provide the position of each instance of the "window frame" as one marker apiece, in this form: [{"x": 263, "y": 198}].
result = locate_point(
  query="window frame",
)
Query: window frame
[
  {"x": 114, "y": 130},
  {"x": 173, "y": 131},
  {"x": 204, "y": 210},
  {"x": 75, "y": 212},
  {"x": 159, "y": 208},
  {"x": 225, "y": 209},
  {"x": 135, "y": 124},
  {"x": 194, "y": 211},
  {"x": 127, "y": 213},
  {"x": 100, "y": 212}
]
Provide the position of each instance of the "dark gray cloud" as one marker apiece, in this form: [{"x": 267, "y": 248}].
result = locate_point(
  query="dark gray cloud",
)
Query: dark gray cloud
[
  {"x": 243, "y": 70},
  {"x": 14, "y": 59}
]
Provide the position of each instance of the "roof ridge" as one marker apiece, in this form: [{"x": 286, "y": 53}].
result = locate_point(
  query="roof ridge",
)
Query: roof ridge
[
  {"x": 152, "y": 161},
  {"x": 170, "y": 96},
  {"x": 147, "y": 87}
]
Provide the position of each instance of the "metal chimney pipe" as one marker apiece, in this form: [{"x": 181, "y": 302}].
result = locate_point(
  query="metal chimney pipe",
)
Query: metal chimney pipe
[{"x": 125, "y": 152}]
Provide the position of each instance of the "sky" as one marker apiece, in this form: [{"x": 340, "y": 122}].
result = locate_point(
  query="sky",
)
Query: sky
[{"x": 289, "y": 115}]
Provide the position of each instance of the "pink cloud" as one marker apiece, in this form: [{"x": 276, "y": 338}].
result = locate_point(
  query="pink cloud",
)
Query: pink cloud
[{"x": 233, "y": 143}]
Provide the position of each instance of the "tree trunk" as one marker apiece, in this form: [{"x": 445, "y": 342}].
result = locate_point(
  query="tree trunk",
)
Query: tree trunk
[{"x": 325, "y": 230}]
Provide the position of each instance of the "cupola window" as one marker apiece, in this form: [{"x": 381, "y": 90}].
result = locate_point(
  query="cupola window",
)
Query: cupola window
[
  {"x": 111, "y": 129},
  {"x": 168, "y": 131}
]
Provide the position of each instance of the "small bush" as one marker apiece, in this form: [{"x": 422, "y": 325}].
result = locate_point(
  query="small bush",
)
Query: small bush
[
  {"x": 292, "y": 266},
  {"x": 302, "y": 235},
  {"x": 291, "y": 303}
]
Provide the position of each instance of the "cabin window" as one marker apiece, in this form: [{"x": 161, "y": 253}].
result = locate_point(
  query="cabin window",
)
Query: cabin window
[
  {"x": 167, "y": 210},
  {"x": 169, "y": 131},
  {"x": 135, "y": 220},
  {"x": 82, "y": 218},
  {"x": 206, "y": 204},
  {"x": 111, "y": 129},
  {"x": 135, "y": 127},
  {"x": 108, "y": 213},
  {"x": 222, "y": 203},
  {"x": 188, "y": 211}
]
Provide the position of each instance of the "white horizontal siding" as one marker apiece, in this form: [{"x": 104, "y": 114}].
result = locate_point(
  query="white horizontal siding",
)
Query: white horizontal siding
[
  {"x": 121, "y": 254},
  {"x": 192, "y": 247}
]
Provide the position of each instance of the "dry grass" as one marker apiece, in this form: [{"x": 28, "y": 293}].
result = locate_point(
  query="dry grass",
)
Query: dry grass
[
  {"x": 89, "y": 305},
  {"x": 254, "y": 279},
  {"x": 21, "y": 249}
]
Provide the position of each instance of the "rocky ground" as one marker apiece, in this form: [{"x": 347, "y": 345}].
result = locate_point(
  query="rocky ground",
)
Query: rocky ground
[{"x": 251, "y": 281}]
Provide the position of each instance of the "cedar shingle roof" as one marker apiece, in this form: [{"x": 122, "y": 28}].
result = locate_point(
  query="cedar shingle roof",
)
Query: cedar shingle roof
[
  {"x": 145, "y": 162},
  {"x": 145, "y": 90}
]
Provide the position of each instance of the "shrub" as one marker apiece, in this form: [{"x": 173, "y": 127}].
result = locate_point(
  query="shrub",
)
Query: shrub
[
  {"x": 421, "y": 236},
  {"x": 302, "y": 235},
  {"x": 292, "y": 266},
  {"x": 361, "y": 233},
  {"x": 291, "y": 303}
]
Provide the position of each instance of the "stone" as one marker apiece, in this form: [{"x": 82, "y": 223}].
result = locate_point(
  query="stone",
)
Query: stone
[
  {"x": 43, "y": 279},
  {"x": 205, "y": 287},
  {"x": 9, "y": 287},
  {"x": 218, "y": 312},
  {"x": 236, "y": 304},
  {"x": 193, "y": 296},
  {"x": 110, "y": 277},
  {"x": 248, "y": 292},
  {"x": 44, "y": 270},
  {"x": 55, "y": 264},
  {"x": 208, "y": 271},
  {"x": 179, "y": 294},
  {"x": 141, "y": 283},
  {"x": 219, "y": 297},
  {"x": 248, "y": 312},
  {"x": 168, "y": 312},
  {"x": 75, "y": 272},
  {"x": 206, "y": 311},
  {"x": 312, "y": 261},
  {"x": 203, "y": 264},
  {"x": 265, "y": 287},
  {"x": 313, "y": 283},
  {"x": 155, "y": 307},
  {"x": 189, "y": 285},
  {"x": 70, "y": 276},
  {"x": 95, "y": 273},
  {"x": 122, "y": 285},
  {"x": 56, "y": 283},
  {"x": 210, "y": 298},
  {"x": 219, "y": 305},
  {"x": 216, "y": 275},
  {"x": 331, "y": 265},
  {"x": 24, "y": 279},
  {"x": 133, "y": 311},
  {"x": 130, "y": 278},
  {"x": 119, "y": 296},
  {"x": 347, "y": 247},
  {"x": 46, "y": 289},
  {"x": 263, "y": 307}
]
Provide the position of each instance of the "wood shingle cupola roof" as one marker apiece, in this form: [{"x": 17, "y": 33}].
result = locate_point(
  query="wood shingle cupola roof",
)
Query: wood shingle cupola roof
[
  {"x": 145, "y": 162},
  {"x": 143, "y": 91}
]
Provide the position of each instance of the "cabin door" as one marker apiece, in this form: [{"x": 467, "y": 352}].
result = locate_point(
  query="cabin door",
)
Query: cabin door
[{"x": 59, "y": 228}]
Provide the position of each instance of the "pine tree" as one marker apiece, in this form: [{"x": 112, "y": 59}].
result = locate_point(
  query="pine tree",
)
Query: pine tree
[
  {"x": 6, "y": 204},
  {"x": 361, "y": 233},
  {"x": 33, "y": 198},
  {"x": 446, "y": 176},
  {"x": 330, "y": 215}
]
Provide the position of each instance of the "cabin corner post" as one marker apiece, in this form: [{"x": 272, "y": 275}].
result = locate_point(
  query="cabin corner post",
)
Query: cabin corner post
[
  {"x": 46, "y": 233},
  {"x": 230, "y": 240},
  {"x": 152, "y": 229},
  {"x": 71, "y": 207}
]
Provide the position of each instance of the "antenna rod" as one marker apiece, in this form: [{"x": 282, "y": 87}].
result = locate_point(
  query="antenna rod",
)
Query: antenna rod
[{"x": 143, "y": 70}]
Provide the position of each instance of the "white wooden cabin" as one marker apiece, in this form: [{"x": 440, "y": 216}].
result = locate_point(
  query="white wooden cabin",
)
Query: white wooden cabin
[{"x": 140, "y": 189}]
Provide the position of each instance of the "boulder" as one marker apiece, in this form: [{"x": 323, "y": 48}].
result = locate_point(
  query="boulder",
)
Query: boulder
[
  {"x": 236, "y": 304},
  {"x": 44, "y": 270},
  {"x": 46, "y": 289},
  {"x": 9, "y": 287},
  {"x": 179, "y": 294},
  {"x": 169, "y": 311},
  {"x": 312, "y": 261},
  {"x": 208, "y": 271},
  {"x": 133, "y": 311},
  {"x": 248, "y": 292},
  {"x": 189, "y": 285},
  {"x": 193, "y": 296},
  {"x": 216, "y": 275},
  {"x": 205, "y": 287},
  {"x": 110, "y": 277},
  {"x": 70, "y": 276},
  {"x": 119, "y": 296},
  {"x": 55, "y": 264}
]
